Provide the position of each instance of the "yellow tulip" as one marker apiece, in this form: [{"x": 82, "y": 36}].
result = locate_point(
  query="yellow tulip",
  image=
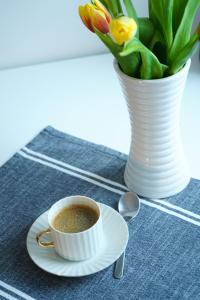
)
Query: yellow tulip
[
  {"x": 122, "y": 29},
  {"x": 95, "y": 15}
]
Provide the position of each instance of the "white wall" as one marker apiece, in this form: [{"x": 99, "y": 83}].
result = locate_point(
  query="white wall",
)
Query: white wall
[{"x": 34, "y": 31}]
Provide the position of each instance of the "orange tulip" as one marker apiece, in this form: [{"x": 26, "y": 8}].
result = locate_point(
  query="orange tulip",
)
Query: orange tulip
[{"x": 95, "y": 15}]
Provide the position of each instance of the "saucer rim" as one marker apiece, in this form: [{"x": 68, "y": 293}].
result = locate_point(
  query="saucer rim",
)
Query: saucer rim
[{"x": 99, "y": 254}]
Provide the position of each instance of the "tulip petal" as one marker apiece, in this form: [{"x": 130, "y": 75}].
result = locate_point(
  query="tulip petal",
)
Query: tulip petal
[
  {"x": 122, "y": 29},
  {"x": 84, "y": 15},
  {"x": 102, "y": 8},
  {"x": 99, "y": 21}
]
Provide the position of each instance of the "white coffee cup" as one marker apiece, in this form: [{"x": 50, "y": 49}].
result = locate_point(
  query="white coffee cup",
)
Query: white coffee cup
[{"x": 74, "y": 246}]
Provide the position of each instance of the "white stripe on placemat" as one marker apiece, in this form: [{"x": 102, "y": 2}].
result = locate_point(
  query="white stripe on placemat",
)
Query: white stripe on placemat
[
  {"x": 171, "y": 212},
  {"x": 16, "y": 291},
  {"x": 90, "y": 180},
  {"x": 161, "y": 202},
  {"x": 117, "y": 191},
  {"x": 185, "y": 211},
  {"x": 7, "y": 296},
  {"x": 62, "y": 164}
]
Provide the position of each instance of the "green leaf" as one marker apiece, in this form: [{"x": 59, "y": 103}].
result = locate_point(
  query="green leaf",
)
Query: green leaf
[
  {"x": 178, "y": 11},
  {"x": 182, "y": 36},
  {"x": 131, "y": 12},
  {"x": 160, "y": 13},
  {"x": 157, "y": 46},
  {"x": 113, "y": 6},
  {"x": 151, "y": 68},
  {"x": 129, "y": 64},
  {"x": 146, "y": 30},
  {"x": 120, "y": 10},
  {"x": 185, "y": 53}
]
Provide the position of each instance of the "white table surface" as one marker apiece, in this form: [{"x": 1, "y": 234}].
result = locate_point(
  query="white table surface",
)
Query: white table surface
[{"x": 82, "y": 97}]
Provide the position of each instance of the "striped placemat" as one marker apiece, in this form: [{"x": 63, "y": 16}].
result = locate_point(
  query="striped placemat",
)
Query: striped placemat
[{"x": 162, "y": 258}]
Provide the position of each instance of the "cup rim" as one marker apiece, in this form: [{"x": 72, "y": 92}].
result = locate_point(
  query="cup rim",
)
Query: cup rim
[{"x": 80, "y": 232}]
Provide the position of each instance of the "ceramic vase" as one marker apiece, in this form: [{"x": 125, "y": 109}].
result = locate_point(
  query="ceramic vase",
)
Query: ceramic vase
[{"x": 156, "y": 166}]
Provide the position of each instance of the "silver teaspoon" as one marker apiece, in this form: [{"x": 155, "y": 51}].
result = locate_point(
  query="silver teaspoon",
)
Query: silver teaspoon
[{"x": 128, "y": 207}]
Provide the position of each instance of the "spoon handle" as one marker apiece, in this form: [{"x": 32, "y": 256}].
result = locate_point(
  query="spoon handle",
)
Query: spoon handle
[{"x": 119, "y": 266}]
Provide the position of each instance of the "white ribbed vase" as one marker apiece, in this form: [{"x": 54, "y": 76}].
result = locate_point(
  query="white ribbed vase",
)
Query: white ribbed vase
[{"x": 156, "y": 167}]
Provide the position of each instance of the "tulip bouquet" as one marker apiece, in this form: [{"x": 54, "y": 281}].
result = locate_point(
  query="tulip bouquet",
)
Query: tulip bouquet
[{"x": 146, "y": 48}]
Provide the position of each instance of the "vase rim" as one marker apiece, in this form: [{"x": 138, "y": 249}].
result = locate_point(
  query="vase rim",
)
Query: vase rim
[{"x": 158, "y": 80}]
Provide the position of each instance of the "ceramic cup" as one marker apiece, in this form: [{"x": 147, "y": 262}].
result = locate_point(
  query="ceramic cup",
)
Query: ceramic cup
[{"x": 74, "y": 246}]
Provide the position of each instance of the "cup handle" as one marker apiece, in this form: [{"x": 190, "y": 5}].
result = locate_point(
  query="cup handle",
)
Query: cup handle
[{"x": 44, "y": 244}]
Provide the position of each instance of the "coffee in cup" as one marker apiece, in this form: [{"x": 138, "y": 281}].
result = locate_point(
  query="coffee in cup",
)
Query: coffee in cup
[{"x": 75, "y": 218}]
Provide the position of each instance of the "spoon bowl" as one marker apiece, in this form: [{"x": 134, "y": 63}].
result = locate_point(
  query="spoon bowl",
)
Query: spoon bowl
[{"x": 129, "y": 205}]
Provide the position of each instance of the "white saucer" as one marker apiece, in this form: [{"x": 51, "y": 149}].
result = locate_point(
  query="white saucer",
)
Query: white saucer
[{"x": 116, "y": 236}]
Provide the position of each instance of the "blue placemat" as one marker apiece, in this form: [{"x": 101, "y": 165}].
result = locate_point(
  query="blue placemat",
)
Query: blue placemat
[{"x": 162, "y": 258}]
